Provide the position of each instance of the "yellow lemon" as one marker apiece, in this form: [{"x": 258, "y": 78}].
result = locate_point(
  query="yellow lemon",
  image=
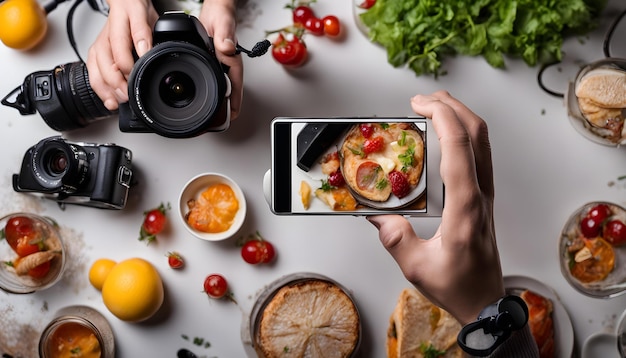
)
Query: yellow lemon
[
  {"x": 23, "y": 23},
  {"x": 99, "y": 271},
  {"x": 133, "y": 290}
]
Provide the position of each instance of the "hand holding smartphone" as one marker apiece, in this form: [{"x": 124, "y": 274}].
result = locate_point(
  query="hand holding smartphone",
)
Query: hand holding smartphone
[{"x": 389, "y": 165}]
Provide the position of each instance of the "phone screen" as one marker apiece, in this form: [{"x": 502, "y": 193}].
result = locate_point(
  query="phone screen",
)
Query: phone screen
[{"x": 308, "y": 152}]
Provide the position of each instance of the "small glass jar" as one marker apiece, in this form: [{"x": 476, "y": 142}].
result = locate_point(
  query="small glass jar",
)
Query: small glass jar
[{"x": 77, "y": 328}]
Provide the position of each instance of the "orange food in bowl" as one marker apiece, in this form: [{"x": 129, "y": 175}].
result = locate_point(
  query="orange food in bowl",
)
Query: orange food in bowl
[
  {"x": 73, "y": 339},
  {"x": 594, "y": 261},
  {"x": 214, "y": 210}
]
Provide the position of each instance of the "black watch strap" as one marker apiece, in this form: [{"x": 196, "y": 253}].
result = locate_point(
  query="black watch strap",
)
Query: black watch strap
[{"x": 494, "y": 325}]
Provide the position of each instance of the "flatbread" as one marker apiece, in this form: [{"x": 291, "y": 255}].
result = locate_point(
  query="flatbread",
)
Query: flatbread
[{"x": 417, "y": 324}]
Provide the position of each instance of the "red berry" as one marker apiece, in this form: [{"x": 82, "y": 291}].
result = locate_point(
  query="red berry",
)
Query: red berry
[
  {"x": 153, "y": 223},
  {"x": 615, "y": 232},
  {"x": 336, "y": 179},
  {"x": 399, "y": 184},
  {"x": 292, "y": 52},
  {"x": 366, "y": 4},
  {"x": 215, "y": 286},
  {"x": 599, "y": 212},
  {"x": 314, "y": 26},
  {"x": 40, "y": 271},
  {"x": 301, "y": 14},
  {"x": 175, "y": 260},
  {"x": 590, "y": 227},
  {"x": 257, "y": 250},
  {"x": 373, "y": 145},
  {"x": 21, "y": 235},
  {"x": 332, "y": 26},
  {"x": 366, "y": 129}
]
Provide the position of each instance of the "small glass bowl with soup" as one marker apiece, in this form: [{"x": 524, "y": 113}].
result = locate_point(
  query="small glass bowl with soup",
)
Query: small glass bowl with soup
[{"x": 77, "y": 331}]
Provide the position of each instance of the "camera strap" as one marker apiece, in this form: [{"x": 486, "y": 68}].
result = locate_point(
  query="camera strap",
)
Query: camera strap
[{"x": 494, "y": 325}]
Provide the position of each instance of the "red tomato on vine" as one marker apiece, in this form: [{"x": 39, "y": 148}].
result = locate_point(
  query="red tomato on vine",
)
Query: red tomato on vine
[{"x": 154, "y": 221}]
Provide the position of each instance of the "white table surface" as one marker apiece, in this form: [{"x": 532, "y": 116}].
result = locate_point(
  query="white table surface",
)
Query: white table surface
[{"x": 544, "y": 170}]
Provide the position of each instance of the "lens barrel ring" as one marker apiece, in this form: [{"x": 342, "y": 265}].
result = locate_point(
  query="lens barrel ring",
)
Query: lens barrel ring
[
  {"x": 160, "y": 115},
  {"x": 84, "y": 95},
  {"x": 75, "y": 170}
]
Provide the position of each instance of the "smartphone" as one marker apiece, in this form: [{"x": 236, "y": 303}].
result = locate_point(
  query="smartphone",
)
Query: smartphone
[{"x": 303, "y": 150}]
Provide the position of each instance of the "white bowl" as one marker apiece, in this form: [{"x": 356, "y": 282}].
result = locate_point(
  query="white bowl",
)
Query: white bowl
[{"x": 192, "y": 190}]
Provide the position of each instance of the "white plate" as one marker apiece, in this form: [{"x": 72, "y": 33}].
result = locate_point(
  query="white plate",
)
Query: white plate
[
  {"x": 563, "y": 331},
  {"x": 602, "y": 345}
]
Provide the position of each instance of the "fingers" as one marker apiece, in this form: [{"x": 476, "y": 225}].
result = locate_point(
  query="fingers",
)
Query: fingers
[
  {"x": 472, "y": 124},
  {"x": 458, "y": 170},
  {"x": 110, "y": 61},
  {"x": 218, "y": 16},
  {"x": 105, "y": 78}
]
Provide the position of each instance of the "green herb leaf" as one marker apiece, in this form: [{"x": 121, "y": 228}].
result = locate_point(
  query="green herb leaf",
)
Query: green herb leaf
[
  {"x": 422, "y": 33},
  {"x": 407, "y": 158},
  {"x": 429, "y": 351}
]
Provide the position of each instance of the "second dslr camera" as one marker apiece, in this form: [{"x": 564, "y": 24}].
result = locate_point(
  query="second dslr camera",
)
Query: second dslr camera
[
  {"x": 178, "y": 89},
  {"x": 97, "y": 175}
]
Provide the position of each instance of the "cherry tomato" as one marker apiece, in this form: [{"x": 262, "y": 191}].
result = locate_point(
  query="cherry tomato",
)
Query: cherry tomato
[
  {"x": 175, "y": 260},
  {"x": 590, "y": 227},
  {"x": 314, "y": 26},
  {"x": 615, "y": 232},
  {"x": 215, "y": 286},
  {"x": 21, "y": 235},
  {"x": 40, "y": 271},
  {"x": 289, "y": 53},
  {"x": 366, "y": 4},
  {"x": 301, "y": 14},
  {"x": 332, "y": 26},
  {"x": 257, "y": 251},
  {"x": 599, "y": 212},
  {"x": 153, "y": 223}
]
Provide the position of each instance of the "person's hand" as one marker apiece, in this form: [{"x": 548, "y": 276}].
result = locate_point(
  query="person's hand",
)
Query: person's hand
[
  {"x": 110, "y": 58},
  {"x": 219, "y": 19},
  {"x": 458, "y": 269}
]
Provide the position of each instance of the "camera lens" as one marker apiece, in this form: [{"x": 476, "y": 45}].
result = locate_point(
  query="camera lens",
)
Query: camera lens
[
  {"x": 177, "y": 88},
  {"x": 58, "y": 165},
  {"x": 64, "y": 97},
  {"x": 56, "y": 161}
]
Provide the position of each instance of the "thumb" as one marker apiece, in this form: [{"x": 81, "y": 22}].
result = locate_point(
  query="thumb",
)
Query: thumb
[{"x": 398, "y": 237}]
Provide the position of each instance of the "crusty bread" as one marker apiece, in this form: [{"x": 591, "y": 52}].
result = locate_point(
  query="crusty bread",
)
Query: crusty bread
[
  {"x": 416, "y": 324},
  {"x": 312, "y": 318},
  {"x": 604, "y": 86}
]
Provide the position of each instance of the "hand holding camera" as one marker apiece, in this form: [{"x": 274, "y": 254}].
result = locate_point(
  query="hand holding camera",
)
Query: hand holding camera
[{"x": 178, "y": 89}]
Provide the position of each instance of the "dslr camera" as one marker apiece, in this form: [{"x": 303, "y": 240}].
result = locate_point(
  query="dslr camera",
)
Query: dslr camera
[
  {"x": 96, "y": 175},
  {"x": 178, "y": 89}
]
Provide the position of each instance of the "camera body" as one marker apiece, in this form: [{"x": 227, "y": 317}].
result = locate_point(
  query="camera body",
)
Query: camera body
[
  {"x": 96, "y": 175},
  {"x": 178, "y": 88}
]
